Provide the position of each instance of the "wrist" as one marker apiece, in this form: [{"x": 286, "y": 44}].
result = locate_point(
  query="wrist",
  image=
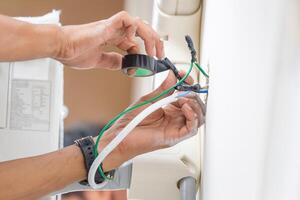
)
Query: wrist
[
  {"x": 117, "y": 157},
  {"x": 57, "y": 43},
  {"x": 142, "y": 140},
  {"x": 50, "y": 37}
]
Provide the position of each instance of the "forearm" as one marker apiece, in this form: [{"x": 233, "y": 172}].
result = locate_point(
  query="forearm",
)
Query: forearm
[
  {"x": 34, "y": 177},
  {"x": 31, "y": 178},
  {"x": 22, "y": 41}
]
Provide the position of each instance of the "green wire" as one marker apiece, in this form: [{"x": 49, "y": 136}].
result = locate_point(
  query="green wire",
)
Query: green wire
[
  {"x": 111, "y": 122},
  {"x": 201, "y": 70}
]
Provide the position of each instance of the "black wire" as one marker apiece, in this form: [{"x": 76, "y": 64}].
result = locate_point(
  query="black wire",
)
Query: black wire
[{"x": 190, "y": 44}]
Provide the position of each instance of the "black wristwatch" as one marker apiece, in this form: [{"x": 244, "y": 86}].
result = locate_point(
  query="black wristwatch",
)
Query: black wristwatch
[{"x": 86, "y": 146}]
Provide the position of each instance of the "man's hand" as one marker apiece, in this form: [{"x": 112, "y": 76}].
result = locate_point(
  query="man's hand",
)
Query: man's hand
[
  {"x": 82, "y": 45},
  {"x": 78, "y": 46},
  {"x": 163, "y": 128}
]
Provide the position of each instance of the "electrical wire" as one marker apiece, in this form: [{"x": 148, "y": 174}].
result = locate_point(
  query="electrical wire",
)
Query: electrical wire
[
  {"x": 203, "y": 91},
  {"x": 201, "y": 70},
  {"x": 100, "y": 157},
  {"x": 118, "y": 139},
  {"x": 111, "y": 122}
]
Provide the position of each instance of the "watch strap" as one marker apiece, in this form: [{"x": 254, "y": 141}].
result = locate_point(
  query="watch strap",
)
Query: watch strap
[{"x": 86, "y": 146}]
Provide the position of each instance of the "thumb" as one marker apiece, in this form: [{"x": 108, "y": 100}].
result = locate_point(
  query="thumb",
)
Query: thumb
[
  {"x": 111, "y": 60},
  {"x": 167, "y": 83}
]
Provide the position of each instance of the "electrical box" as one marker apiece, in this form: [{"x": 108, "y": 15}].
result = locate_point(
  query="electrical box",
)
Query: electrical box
[{"x": 4, "y": 83}]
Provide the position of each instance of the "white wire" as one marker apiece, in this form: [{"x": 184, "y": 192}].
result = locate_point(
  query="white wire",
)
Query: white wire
[{"x": 118, "y": 139}]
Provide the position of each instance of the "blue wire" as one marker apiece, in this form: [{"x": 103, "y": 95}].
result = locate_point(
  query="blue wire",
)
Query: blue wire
[{"x": 205, "y": 91}]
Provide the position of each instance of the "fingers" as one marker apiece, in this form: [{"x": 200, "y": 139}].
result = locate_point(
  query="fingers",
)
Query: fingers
[
  {"x": 131, "y": 31},
  {"x": 168, "y": 82},
  {"x": 200, "y": 102},
  {"x": 191, "y": 123},
  {"x": 111, "y": 60},
  {"x": 135, "y": 26},
  {"x": 159, "y": 45},
  {"x": 189, "y": 79},
  {"x": 129, "y": 46},
  {"x": 196, "y": 104},
  {"x": 122, "y": 19},
  {"x": 153, "y": 44}
]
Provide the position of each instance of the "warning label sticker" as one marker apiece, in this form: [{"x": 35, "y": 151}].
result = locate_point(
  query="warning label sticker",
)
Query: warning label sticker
[{"x": 30, "y": 105}]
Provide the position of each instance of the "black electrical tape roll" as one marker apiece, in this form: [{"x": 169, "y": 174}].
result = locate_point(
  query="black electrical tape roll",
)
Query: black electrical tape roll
[{"x": 140, "y": 65}]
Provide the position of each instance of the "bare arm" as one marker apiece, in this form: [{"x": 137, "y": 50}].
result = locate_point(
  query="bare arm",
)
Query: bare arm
[
  {"x": 34, "y": 177},
  {"x": 31, "y": 178},
  {"x": 80, "y": 46},
  {"x": 22, "y": 41}
]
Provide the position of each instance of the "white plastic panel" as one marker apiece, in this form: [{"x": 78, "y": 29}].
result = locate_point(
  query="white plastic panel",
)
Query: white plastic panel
[
  {"x": 33, "y": 101},
  {"x": 34, "y": 113},
  {"x": 4, "y": 83},
  {"x": 179, "y": 7},
  {"x": 173, "y": 30},
  {"x": 252, "y": 142},
  {"x": 155, "y": 175}
]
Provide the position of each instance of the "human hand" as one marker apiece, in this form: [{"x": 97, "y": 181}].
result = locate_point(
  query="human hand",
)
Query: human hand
[
  {"x": 163, "y": 128},
  {"x": 82, "y": 45}
]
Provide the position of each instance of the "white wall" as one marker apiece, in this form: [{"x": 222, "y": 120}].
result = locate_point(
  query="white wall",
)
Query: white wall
[{"x": 252, "y": 141}]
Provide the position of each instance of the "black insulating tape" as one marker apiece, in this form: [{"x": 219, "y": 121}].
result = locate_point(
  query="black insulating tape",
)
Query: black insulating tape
[{"x": 132, "y": 61}]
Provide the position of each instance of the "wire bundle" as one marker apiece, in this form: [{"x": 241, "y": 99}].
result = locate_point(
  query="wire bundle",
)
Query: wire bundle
[{"x": 100, "y": 157}]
